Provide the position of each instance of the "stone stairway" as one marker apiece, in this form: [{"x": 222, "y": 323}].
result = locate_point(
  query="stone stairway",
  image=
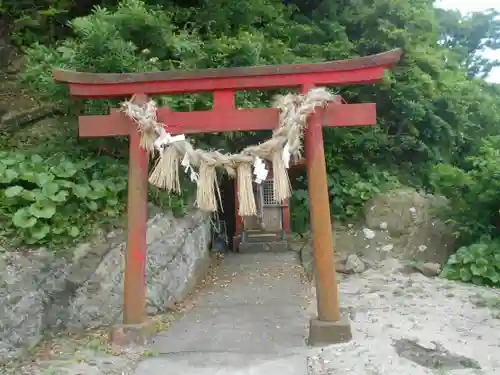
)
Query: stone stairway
[{"x": 258, "y": 241}]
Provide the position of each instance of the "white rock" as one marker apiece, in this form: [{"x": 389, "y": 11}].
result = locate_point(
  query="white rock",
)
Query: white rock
[
  {"x": 368, "y": 233},
  {"x": 388, "y": 247},
  {"x": 413, "y": 210},
  {"x": 422, "y": 248}
]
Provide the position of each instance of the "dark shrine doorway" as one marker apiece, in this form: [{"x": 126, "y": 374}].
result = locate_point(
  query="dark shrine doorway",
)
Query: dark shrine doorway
[{"x": 226, "y": 212}]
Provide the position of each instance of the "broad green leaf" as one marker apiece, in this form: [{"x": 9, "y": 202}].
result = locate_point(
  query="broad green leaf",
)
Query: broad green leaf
[
  {"x": 86, "y": 164},
  {"x": 29, "y": 176},
  {"x": 28, "y": 195},
  {"x": 478, "y": 270},
  {"x": 42, "y": 179},
  {"x": 120, "y": 186},
  {"x": 13, "y": 191},
  {"x": 450, "y": 273},
  {"x": 36, "y": 159},
  {"x": 40, "y": 232},
  {"x": 482, "y": 262},
  {"x": 81, "y": 191},
  {"x": 468, "y": 257},
  {"x": 98, "y": 186},
  {"x": 492, "y": 274},
  {"x": 50, "y": 189},
  {"x": 30, "y": 240},
  {"x": 10, "y": 161},
  {"x": 8, "y": 176},
  {"x": 65, "y": 169},
  {"x": 60, "y": 197},
  {"x": 73, "y": 231},
  {"x": 44, "y": 209},
  {"x": 465, "y": 275},
  {"x": 58, "y": 229},
  {"x": 23, "y": 219},
  {"x": 66, "y": 183},
  {"x": 112, "y": 202},
  {"x": 96, "y": 195},
  {"x": 477, "y": 280}
]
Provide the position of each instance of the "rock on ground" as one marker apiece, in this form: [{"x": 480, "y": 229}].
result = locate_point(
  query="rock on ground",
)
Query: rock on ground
[
  {"x": 408, "y": 225},
  {"x": 401, "y": 223},
  {"x": 42, "y": 291}
]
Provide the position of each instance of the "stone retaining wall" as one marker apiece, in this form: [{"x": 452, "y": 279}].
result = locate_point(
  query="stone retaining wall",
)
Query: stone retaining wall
[{"x": 41, "y": 291}]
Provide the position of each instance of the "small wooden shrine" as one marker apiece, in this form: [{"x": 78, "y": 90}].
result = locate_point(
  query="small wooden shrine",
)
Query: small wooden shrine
[{"x": 269, "y": 229}]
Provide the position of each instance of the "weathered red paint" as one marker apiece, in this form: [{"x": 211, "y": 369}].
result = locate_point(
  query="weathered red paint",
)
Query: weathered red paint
[
  {"x": 134, "y": 311},
  {"x": 225, "y": 117},
  {"x": 369, "y": 69},
  {"x": 321, "y": 224},
  {"x": 287, "y": 223}
]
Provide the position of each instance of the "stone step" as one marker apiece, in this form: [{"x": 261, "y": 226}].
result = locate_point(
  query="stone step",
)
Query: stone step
[
  {"x": 264, "y": 247},
  {"x": 263, "y": 237}
]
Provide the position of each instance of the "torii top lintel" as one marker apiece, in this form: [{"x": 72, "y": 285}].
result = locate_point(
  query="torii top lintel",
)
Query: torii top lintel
[
  {"x": 362, "y": 70},
  {"x": 224, "y": 116}
]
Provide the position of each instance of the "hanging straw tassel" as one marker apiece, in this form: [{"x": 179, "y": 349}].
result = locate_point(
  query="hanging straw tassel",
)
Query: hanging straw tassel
[
  {"x": 165, "y": 174},
  {"x": 246, "y": 198},
  {"x": 205, "y": 195},
  {"x": 282, "y": 189},
  {"x": 148, "y": 138}
]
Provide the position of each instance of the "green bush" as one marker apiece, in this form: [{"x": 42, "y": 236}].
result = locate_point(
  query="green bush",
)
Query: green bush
[
  {"x": 473, "y": 192},
  {"x": 57, "y": 201},
  {"x": 478, "y": 263}
]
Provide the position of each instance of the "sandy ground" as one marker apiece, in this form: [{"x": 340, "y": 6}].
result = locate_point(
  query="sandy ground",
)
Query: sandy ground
[{"x": 437, "y": 326}]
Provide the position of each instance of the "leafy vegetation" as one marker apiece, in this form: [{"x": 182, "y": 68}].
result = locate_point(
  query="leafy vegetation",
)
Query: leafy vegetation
[
  {"x": 475, "y": 213},
  {"x": 437, "y": 117},
  {"x": 45, "y": 202},
  {"x": 473, "y": 191},
  {"x": 478, "y": 263}
]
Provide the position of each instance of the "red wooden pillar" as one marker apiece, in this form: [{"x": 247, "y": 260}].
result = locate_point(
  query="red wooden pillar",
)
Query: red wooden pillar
[
  {"x": 287, "y": 221},
  {"x": 321, "y": 224},
  {"x": 134, "y": 309}
]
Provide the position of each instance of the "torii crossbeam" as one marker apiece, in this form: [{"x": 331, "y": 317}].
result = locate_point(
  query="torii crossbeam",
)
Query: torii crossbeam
[{"x": 224, "y": 116}]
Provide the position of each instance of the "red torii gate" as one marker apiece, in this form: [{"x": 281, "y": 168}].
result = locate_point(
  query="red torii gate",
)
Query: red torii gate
[{"x": 224, "y": 116}]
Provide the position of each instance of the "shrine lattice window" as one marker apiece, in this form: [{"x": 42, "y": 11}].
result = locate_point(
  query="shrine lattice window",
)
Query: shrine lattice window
[{"x": 268, "y": 193}]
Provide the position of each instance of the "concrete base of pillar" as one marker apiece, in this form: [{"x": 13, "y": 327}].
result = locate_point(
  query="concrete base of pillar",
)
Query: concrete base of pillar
[
  {"x": 123, "y": 336},
  {"x": 323, "y": 333}
]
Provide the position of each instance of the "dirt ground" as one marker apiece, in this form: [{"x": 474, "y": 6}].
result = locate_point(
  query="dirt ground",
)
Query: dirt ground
[{"x": 410, "y": 324}]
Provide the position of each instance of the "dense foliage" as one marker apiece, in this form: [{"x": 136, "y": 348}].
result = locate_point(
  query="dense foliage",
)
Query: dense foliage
[
  {"x": 435, "y": 110},
  {"x": 474, "y": 190},
  {"x": 478, "y": 263},
  {"x": 47, "y": 201}
]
